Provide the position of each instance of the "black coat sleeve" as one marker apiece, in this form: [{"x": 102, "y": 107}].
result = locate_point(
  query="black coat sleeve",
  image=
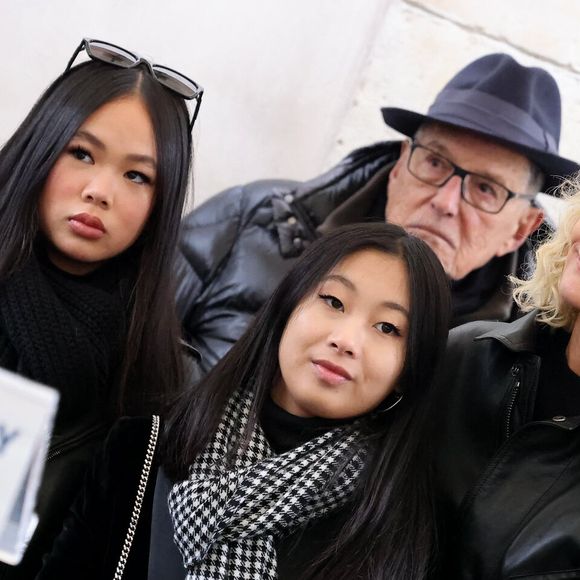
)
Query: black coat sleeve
[
  {"x": 90, "y": 543},
  {"x": 207, "y": 236}
]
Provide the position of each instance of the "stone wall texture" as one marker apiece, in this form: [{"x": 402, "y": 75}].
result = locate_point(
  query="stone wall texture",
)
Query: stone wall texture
[{"x": 421, "y": 44}]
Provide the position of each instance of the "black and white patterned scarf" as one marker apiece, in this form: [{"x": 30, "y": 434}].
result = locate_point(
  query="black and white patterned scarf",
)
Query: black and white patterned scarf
[{"x": 225, "y": 518}]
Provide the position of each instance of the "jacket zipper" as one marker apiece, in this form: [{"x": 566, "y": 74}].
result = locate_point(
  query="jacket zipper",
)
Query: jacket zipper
[
  {"x": 471, "y": 493},
  {"x": 512, "y": 402},
  {"x": 74, "y": 442}
]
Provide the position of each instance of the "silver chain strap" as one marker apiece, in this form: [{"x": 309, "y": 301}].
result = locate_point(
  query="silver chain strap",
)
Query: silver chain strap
[{"x": 138, "y": 499}]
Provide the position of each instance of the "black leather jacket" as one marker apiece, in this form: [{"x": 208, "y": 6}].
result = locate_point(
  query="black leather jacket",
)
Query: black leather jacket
[
  {"x": 510, "y": 486},
  {"x": 237, "y": 246}
]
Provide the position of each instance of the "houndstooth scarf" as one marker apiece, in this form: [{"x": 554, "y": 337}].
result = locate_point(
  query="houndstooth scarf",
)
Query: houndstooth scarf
[{"x": 225, "y": 519}]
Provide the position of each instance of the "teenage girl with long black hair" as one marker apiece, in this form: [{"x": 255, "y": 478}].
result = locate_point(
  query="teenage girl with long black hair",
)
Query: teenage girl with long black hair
[
  {"x": 303, "y": 454},
  {"x": 92, "y": 186}
]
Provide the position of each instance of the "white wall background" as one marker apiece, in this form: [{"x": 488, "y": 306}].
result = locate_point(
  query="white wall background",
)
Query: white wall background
[
  {"x": 292, "y": 85},
  {"x": 278, "y": 74}
]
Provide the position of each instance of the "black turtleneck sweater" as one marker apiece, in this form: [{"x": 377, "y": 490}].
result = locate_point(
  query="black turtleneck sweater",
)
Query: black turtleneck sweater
[{"x": 298, "y": 550}]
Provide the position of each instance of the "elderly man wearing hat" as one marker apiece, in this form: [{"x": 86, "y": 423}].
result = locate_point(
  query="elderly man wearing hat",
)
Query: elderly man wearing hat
[{"x": 464, "y": 182}]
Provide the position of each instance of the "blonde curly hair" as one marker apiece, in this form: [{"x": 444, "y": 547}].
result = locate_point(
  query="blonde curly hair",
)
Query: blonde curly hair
[{"x": 541, "y": 291}]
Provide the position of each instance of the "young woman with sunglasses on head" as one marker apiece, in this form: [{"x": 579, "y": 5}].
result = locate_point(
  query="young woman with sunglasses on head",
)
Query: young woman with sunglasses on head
[
  {"x": 92, "y": 187},
  {"x": 303, "y": 454}
]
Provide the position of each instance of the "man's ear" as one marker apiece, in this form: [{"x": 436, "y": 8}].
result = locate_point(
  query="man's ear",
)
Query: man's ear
[
  {"x": 405, "y": 146},
  {"x": 529, "y": 222}
]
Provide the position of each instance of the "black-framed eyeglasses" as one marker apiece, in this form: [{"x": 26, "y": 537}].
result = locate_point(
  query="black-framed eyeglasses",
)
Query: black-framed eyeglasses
[
  {"x": 118, "y": 56},
  {"x": 478, "y": 191}
]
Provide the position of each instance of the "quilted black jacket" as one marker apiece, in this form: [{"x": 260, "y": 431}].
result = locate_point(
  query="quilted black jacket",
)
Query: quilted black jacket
[{"x": 236, "y": 247}]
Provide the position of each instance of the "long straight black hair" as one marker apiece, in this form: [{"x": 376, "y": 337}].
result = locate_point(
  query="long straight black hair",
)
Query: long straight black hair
[
  {"x": 390, "y": 533},
  {"x": 152, "y": 368}
]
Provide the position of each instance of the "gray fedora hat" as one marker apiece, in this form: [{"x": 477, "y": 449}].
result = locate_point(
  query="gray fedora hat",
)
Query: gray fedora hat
[{"x": 496, "y": 96}]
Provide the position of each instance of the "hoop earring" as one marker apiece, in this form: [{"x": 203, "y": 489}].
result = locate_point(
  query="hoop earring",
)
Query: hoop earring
[{"x": 393, "y": 405}]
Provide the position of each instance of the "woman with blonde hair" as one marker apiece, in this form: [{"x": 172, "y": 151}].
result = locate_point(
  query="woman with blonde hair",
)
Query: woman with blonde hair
[
  {"x": 509, "y": 453},
  {"x": 542, "y": 290}
]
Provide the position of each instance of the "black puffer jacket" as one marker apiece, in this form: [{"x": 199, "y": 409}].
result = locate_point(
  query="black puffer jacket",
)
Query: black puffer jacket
[
  {"x": 238, "y": 245},
  {"x": 510, "y": 485}
]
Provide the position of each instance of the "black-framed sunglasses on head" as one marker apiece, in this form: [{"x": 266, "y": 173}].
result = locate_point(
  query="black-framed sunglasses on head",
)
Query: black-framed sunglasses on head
[
  {"x": 478, "y": 191},
  {"x": 118, "y": 56}
]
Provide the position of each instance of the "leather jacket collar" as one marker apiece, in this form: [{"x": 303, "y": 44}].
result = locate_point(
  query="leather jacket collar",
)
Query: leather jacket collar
[{"x": 518, "y": 336}]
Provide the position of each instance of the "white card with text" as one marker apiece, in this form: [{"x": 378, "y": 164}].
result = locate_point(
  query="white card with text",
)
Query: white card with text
[{"x": 27, "y": 411}]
